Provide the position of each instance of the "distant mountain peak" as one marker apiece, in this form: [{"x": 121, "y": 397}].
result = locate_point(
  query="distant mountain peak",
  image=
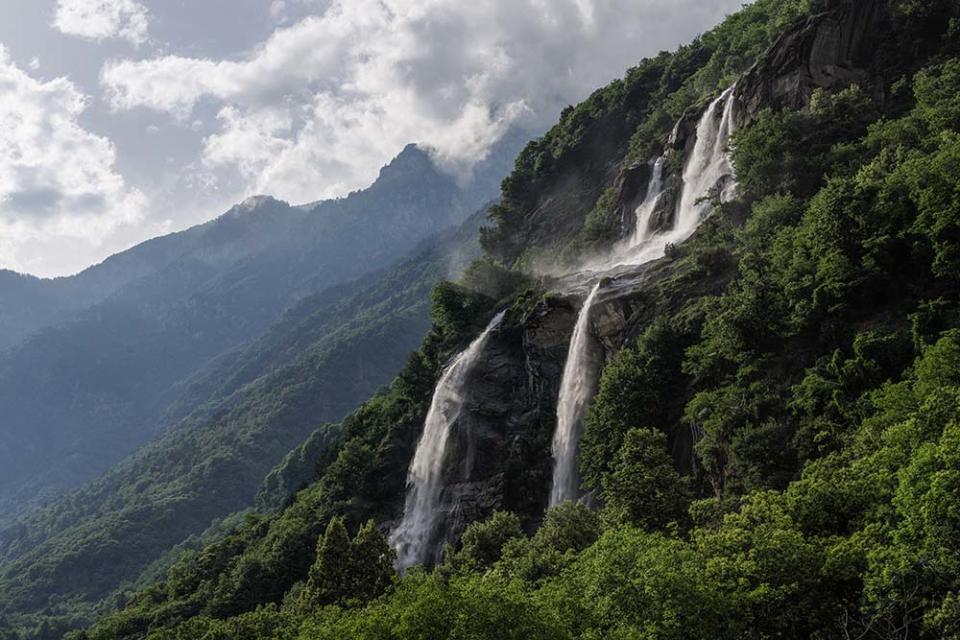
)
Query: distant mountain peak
[
  {"x": 255, "y": 203},
  {"x": 412, "y": 160}
]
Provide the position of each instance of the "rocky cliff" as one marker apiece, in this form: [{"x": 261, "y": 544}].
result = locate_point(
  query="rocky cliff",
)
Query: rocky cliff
[{"x": 502, "y": 457}]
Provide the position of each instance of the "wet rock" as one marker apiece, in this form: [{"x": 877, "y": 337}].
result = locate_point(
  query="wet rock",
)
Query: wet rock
[
  {"x": 665, "y": 212},
  {"x": 631, "y": 186},
  {"x": 684, "y": 133},
  {"x": 499, "y": 454}
]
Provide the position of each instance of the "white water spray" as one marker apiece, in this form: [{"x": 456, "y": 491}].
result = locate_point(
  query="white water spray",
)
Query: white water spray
[
  {"x": 708, "y": 166},
  {"x": 646, "y": 208},
  {"x": 413, "y": 537},
  {"x": 707, "y": 169},
  {"x": 576, "y": 389}
]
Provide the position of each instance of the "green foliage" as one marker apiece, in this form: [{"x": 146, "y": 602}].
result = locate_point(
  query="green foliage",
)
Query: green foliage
[
  {"x": 348, "y": 571},
  {"x": 372, "y": 557},
  {"x": 489, "y": 278},
  {"x": 790, "y": 151},
  {"x": 644, "y": 489},
  {"x": 635, "y": 390},
  {"x": 298, "y": 468},
  {"x": 328, "y": 580},
  {"x": 567, "y": 529},
  {"x": 481, "y": 544},
  {"x": 455, "y": 309}
]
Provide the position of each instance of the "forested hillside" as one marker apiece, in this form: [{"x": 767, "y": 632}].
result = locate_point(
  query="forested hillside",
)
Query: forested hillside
[
  {"x": 772, "y": 450},
  {"x": 326, "y": 355}
]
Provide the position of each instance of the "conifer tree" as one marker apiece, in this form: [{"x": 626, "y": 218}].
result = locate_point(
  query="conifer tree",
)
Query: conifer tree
[
  {"x": 372, "y": 560},
  {"x": 330, "y": 574}
]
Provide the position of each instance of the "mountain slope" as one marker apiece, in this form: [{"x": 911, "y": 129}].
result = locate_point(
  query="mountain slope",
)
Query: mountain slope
[
  {"x": 328, "y": 353},
  {"x": 78, "y": 396}
]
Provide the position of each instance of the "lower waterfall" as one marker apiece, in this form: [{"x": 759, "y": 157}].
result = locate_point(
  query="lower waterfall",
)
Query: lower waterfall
[
  {"x": 576, "y": 388},
  {"x": 707, "y": 169},
  {"x": 413, "y": 537}
]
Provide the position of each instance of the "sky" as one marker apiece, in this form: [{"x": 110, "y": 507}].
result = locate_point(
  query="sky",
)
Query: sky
[{"x": 121, "y": 120}]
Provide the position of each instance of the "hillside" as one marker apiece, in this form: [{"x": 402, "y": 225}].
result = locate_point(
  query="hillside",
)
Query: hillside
[
  {"x": 80, "y": 395},
  {"x": 328, "y": 353},
  {"x": 748, "y": 248}
]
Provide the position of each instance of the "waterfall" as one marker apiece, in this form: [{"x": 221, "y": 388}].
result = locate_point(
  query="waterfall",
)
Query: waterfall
[
  {"x": 576, "y": 389},
  {"x": 413, "y": 537},
  {"x": 707, "y": 168},
  {"x": 646, "y": 208}
]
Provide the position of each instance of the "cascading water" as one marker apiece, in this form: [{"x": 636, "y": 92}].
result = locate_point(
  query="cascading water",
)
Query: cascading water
[
  {"x": 414, "y": 535},
  {"x": 576, "y": 388},
  {"x": 707, "y": 168},
  {"x": 645, "y": 211}
]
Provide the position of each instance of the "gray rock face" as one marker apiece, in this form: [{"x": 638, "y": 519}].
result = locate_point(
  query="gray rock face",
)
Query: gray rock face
[
  {"x": 830, "y": 50},
  {"x": 499, "y": 452},
  {"x": 631, "y": 184}
]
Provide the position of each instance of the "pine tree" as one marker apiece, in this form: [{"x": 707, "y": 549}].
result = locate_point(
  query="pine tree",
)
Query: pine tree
[
  {"x": 330, "y": 574},
  {"x": 372, "y": 560}
]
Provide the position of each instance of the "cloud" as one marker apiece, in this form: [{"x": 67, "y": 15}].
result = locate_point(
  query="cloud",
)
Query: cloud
[
  {"x": 278, "y": 10},
  {"x": 57, "y": 180},
  {"x": 103, "y": 19},
  {"x": 317, "y": 108}
]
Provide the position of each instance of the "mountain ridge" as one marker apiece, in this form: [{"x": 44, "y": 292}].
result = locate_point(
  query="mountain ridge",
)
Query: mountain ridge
[{"x": 79, "y": 395}]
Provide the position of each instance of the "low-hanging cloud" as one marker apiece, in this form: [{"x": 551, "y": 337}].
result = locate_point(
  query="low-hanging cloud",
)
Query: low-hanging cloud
[
  {"x": 56, "y": 178},
  {"x": 318, "y": 107},
  {"x": 102, "y": 19}
]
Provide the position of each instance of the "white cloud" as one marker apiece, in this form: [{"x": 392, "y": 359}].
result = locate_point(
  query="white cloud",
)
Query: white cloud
[
  {"x": 278, "y": 10},
  {"x": 102, "y": 19},
  {"x": 58, "y": 181},
  {"x": 316, "y": 109}
]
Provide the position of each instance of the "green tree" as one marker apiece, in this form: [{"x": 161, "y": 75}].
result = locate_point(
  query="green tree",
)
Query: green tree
[
  {"x": 636, "y": 388},
  {"x": 482, "y": 542},
  {"x": 567, "y": 530},
  {"x": 372, "y": 563},
  {"x": 644, "y": 489},
  {"x": 331, "y": 573}
]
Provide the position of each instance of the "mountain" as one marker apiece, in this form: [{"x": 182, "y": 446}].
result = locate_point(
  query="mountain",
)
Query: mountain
[
  {"x": 728, "y": 285},
  {"x": 252, "y": 406},
  {"x": 79, "y": 395},
  {"x": 28, "y": 304}
]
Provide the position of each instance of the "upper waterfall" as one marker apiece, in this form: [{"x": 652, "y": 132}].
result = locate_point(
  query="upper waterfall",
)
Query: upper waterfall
[
  {"x": 413, "y": 537},
  {"x": 646, "y": 208},
  {"x": 707, "y": 169}
]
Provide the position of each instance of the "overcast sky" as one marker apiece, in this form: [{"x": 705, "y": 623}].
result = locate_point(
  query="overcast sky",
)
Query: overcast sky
[{"x": 124, "y": 119}]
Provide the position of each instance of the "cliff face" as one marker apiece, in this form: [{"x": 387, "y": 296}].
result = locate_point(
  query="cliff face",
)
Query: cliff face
[
  {"x": 828, "y": 51},
  {"x": 502, "y": 457},
  {"x": 499, "y": 456}
]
